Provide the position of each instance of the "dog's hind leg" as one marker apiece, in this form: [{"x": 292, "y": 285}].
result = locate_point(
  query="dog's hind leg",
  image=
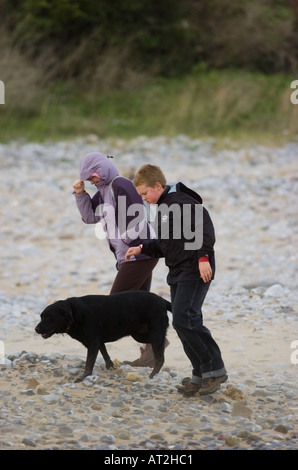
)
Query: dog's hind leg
[
  {"x": 159, "y": 362},
  {"x": 158, "y": 348},
  {"x": 105, "y": 355}
]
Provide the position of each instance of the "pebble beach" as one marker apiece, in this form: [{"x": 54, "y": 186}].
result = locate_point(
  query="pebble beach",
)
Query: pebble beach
[{"x": 48, "y": 253}]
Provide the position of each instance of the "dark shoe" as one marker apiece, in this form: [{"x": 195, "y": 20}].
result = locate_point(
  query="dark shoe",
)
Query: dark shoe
[
  {"x": 186, "y": 380},
  {"x": 212, "y": 384},
  {"x": 189, "y": 389}
]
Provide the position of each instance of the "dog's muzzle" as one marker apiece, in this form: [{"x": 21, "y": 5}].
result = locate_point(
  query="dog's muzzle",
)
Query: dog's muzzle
[{"x": 46, "y": 334}]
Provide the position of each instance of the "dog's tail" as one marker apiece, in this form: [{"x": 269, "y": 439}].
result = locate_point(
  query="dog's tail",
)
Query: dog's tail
[{"x": 168, "y": 305}]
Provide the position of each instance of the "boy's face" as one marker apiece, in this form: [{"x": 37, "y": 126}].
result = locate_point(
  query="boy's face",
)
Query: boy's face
[
  {"x": 94, "y": 179},
  {"x": 149, "y": 194}
]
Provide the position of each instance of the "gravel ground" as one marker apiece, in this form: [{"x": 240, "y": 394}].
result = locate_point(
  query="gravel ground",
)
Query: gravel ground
[{"x": 48, "y": 253}]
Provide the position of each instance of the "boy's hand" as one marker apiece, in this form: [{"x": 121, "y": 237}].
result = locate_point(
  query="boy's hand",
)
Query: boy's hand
[
  {"x": 134, "y": 251},
  {"x": 78, "y": 186},
  {"x": 205, "y": 271}
]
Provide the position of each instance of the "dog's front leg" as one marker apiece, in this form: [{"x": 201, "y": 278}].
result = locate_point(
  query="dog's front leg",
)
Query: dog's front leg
[
  {"x": 90, "y": 361},
  {"x": 105, "y": 355}
]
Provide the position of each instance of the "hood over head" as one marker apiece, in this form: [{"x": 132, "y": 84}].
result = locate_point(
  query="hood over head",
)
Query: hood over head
[{"x": 101, "y": 164}]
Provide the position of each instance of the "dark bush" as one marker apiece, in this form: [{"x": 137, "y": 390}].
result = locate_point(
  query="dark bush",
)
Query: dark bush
[{"x": 70, "y": 39}]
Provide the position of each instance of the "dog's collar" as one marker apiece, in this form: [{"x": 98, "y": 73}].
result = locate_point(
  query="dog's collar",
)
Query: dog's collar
[
  {"x": 68, "y": 327},
  {"x": 70, "y": 322}
]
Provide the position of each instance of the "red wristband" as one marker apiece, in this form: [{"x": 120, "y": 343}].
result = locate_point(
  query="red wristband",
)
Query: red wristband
[{"x": 204, "y": 258}]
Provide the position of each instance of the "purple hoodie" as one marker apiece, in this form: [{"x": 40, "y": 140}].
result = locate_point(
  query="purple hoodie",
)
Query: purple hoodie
[
  {"x": 114, "y": 192},
  {"x": 101, "y": 164}
]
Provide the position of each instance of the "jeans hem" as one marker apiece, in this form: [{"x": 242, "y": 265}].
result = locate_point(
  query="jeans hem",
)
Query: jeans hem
[
  {"x": 196, "y": 380},
  {"x": 214, "y": 373}
]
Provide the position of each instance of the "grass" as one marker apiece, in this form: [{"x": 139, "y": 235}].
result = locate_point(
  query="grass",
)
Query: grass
[{"x": 229, "y": 104}]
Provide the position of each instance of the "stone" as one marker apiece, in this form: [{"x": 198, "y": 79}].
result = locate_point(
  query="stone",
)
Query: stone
[
  {"x": 241, "y": 410},
  {"x": 274, "y": 291},
  {"x": 29, "y": 442},
  {"x": 281, "y": 428},
  {"x": 6, "y": 363},
  {"x": 231, "y": 441},
  {"x": 226, "y": 407},
  {"x": 41, "y": 390},
  {"x": 50, "y": 399},
  {"x": 132, "y": 377},
  {"x": 32, "y": 383},
  {"x": 108, "y": 438},
  {"x": 90, "y": 380}
]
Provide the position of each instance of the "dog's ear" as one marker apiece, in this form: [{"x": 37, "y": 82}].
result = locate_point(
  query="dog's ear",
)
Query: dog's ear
[{"x": 66, "y": 310}]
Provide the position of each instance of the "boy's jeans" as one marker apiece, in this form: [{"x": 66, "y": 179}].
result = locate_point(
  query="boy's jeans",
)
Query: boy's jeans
[{"x": 204, "y": 354}]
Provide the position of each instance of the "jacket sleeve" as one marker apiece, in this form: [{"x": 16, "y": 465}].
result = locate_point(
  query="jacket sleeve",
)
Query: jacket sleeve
[
  {"x": 151, "y": 248},
  {"x": 87, "y": 207},
  {"x": 130, "y": 211},
  {"x": 207, "y": 247}
]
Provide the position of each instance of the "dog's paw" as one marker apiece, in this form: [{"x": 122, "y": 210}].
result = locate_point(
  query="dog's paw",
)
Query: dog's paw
[{"x": 82, "y": 377}]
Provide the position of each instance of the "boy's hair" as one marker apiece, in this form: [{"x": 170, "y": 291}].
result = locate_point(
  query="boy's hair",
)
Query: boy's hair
[{"x": 149, "y": 175}]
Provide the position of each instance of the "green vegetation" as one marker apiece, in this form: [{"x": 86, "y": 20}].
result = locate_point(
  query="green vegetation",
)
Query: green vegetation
[
  {"x": 121, "y": 69},
  {"x": 223, "y": 104}
]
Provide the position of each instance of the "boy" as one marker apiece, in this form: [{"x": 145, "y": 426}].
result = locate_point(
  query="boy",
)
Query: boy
[{"x": 191, "y": 266}]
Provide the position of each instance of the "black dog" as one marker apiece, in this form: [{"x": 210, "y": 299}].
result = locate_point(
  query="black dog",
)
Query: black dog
[{"x": 98, "y": 319}]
